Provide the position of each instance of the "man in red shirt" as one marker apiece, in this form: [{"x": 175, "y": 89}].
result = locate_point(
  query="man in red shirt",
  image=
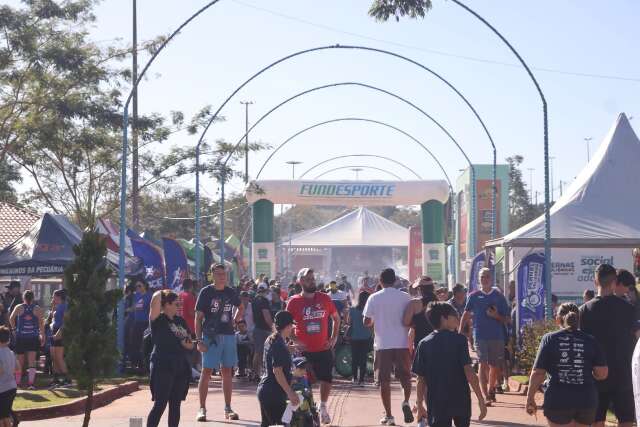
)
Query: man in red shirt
[
  {"x": 187, "y": 304},
  {"x": 311, "y": 311}
]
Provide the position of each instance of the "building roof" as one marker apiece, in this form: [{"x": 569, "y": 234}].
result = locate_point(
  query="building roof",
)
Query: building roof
[{"x": 14, "y": 222}]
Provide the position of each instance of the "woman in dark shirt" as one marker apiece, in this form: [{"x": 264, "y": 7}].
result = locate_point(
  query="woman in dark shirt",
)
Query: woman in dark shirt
[
  {"x": 573, "y": 360},
  {"x": 170, "y": 369},
  {"x": 360, "y": 337},
  {"x": 415, "y": 316},
  {"x": 275, "y": 384}
]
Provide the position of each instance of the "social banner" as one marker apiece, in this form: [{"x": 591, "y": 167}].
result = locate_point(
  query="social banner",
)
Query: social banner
[
  {"x": 152, "y": 260},
  {"x": 415, "y": 253},
  {"x": 434, "y": 261},
  {"x": 177, "y": 267},
  {"x": 530, "y": 290},
  {"x": 264, "y": 259},
  {"x": 477, "y": 264}
]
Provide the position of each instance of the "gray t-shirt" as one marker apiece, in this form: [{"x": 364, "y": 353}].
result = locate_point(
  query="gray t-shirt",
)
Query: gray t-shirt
[{"x": 8, "y": 364}]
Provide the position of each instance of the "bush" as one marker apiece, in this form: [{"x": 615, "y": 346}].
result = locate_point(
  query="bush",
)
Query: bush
[{"x": 531, "y": 337}]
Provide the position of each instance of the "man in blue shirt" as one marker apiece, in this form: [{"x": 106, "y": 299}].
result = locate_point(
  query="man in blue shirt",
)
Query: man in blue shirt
[{"x": 490, "y": 313}]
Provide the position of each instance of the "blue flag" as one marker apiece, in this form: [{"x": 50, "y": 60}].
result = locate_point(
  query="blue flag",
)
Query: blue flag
[
  {"x": 530, "y": 290},
  {"x": 478, "y": 263},
  {"x": 176, "y": 263},
  {"x": 152, "y": 260}
]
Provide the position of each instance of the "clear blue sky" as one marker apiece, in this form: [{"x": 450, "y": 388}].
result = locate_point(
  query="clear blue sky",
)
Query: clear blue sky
[{"x": 237, "y": 37}]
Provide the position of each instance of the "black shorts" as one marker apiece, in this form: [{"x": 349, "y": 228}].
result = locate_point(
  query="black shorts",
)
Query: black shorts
[
  {"x": 566, "y": 416},
  {"x": 6, "y": 403},
  {"x": 620, "y": 401},
  {"x": 26, "y": 344},
  {"x": 458, "y": 421},
  {"x": 56, "y": 343},
  {"x": 321, "y": 363}
]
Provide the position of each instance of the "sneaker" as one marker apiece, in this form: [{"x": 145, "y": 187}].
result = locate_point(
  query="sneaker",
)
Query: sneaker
[
  {"x": 387, "y": 421},
  {"x": 31, "y": 387},
  {"x": 492, "y": 395},
  {"x": 360, "y": 383},
  {"x": 230, "y": 415},
  {"x": 325, "y": 418},
  {"x": 202, "y": 415},
  {"x": 408, "y": 413},
  {"x": 499, "y": 389}
]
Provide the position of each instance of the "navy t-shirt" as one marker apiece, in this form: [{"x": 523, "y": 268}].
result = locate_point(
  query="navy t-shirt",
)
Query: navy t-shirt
[
  {"x": 569, "y": 357},
  {"x": 276, "y": 355},
  {"x": 440, "y": 358},
  {"x": 260, "y": 303},
  {"x": 217, "y": 306},
  {"x": 485, "y": 327},
  {"x": 142, "y": 306}
]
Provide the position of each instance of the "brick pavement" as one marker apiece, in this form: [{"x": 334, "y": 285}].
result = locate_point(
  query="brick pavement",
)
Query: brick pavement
[{"x": 349, "y": 406}]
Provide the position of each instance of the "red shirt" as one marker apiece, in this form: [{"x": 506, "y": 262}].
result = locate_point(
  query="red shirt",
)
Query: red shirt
[
  {"x": 312, "y": 320},
  {"x": 187, "y": 309}
]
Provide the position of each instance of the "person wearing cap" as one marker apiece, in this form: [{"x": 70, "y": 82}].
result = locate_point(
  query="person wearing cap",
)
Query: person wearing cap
[
  {"x": 10, "y": 300},
  {"x": 311, "y": 311},
  {"x": 216, "y": 338},
  {"x": 263, "y": 322},
  {"x": 339, "y": 297},
  {"x": 275, "y": 385},
  {"x": 415, "y": 316}
]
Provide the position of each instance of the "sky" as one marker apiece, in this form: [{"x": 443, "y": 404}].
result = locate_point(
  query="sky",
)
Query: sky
[{"x": 592, "y": 46}]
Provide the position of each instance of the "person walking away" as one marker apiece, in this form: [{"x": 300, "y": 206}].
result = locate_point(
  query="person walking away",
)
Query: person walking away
[
  {"x": 216, "y": 337},
  {"x": 245, "y": 346},
  {"x": 275, "y": 385},
  {"x": 611, "y": 321},
  {"x": 459, "y": 299},
  {"x": 142, "y": 304},
  {"x": 8, "y": 385},
  {"x": 311, "y": 311},
  {"x": 170, "y": 369},
  {"x": 490, "y": 313},
  {"x": 129, "y": 308},
  {"x": 263, "y": 322},
  {"x": 60, "y": 373},
  {"x": 384, "y": 312},
  {"x": 414, "y": 316},
  {"x": 187, "y": 311},
  {"x": 572, "y": 360},
  {"x": 635, "y": 376},
  {"x": 360, "y": 339},
  {"x": 444, "y": 371},
  {"x": 28, "y": 321}
]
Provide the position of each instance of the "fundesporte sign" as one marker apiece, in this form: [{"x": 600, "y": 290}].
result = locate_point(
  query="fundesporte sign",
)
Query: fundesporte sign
[{"x": 361, "y": 193}]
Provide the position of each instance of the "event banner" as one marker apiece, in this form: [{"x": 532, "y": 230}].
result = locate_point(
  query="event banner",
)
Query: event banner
[
  {"x": 177, "y": 266},
  {"x": 530, "y": 290},
  {"x": 434, "y": 261},
  {"x": 415, "y": 253},
  {"x": 152, "y": 260},
  {"x": 478, "y": 263},
  {"x": 264, "y": 259}
]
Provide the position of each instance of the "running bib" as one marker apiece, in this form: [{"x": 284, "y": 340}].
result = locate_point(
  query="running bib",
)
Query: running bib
[{"x": 313, "y": 328}]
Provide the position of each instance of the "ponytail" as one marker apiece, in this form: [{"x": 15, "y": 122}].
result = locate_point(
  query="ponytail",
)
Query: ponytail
[{"x": 569, "y": 315}]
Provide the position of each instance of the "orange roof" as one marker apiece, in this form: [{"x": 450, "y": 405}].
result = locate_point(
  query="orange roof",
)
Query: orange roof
[{"x": 14, "y": 222}]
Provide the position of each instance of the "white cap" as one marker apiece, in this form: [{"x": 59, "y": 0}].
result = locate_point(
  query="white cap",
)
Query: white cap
[{"x": 303, "y": 272}]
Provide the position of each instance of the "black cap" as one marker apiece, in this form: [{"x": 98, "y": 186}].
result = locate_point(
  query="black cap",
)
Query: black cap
[
  {"x": 283, "y": 319},
  {"x": 300, "y": 361},
  {"x": 13, "y": 284}
]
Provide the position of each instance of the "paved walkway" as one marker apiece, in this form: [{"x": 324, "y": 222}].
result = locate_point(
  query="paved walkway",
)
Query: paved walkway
[{"x": 349, "y": 406}]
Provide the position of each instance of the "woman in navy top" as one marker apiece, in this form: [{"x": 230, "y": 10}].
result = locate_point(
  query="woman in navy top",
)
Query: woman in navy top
[
  {"x": 573, "y": 360},
  {"x": 360, "y": 337},
  {"x": 59, "y": 307},
  {"x": 141, "y": 306},
  {"x": 28, "y": 322}
]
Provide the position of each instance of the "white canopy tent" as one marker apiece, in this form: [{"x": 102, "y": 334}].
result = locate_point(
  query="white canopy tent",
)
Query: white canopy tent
[
  {"x": 358, "y": 228},
  {"x": 595, "y": 221}
]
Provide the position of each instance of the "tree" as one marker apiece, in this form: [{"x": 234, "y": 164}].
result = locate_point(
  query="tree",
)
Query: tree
[
  {"x": 9, "y": 174},
  {"x": 521, "y": 210},
  {"x": 382, "y": 10},
  {"x": 90, "y": 335}
]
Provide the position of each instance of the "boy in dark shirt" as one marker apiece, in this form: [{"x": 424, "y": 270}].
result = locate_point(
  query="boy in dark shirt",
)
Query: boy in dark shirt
[
  {"x": 611, "y": 321},
  {"x": 444, "y": 371}
]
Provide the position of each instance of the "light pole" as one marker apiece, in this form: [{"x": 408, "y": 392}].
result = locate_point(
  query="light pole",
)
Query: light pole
[
  {"x": 293, "y": 164},
  {"x": 246, "y": 139},
  {"x": 357, "y": 171},
  {"x": 588, "y": 141},
  {"x": 531, "y": 184}
]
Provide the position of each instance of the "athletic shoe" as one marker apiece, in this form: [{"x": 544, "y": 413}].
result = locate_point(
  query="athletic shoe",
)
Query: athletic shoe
[
  {"x": 325, "y": 418},
  {"x": 31, "y": 387},
  {"x": 492, "y": 395},
  {"x": 499, "y": 389},
  {"x": 408, "y": 414},
  {"x": 230, "y": 415},
  {"x": 387, "y": 421},
  {"x": 202, "y": 415},
  {"x": 360, "y": 383}
]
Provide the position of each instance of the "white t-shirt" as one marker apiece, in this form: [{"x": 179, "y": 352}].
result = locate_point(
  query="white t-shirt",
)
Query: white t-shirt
[
  {"x": 386, "y": 308},
  {"x": 635, "y": 375},
  {"x": 338, "y": 295}
]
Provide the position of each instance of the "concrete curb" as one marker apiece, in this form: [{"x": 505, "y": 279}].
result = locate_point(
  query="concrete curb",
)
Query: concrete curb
[
  {"x": 77, "y": 406},
  {"x": 517, "y": 387}
]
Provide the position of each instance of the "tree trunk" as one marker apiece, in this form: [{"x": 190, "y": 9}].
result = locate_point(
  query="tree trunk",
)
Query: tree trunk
[{"x": 88, "y": 407}]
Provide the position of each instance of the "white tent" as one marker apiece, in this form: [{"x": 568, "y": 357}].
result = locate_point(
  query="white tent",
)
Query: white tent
[
  {"x": 358, "y": 228},
  {"x": 601, "y": 207}
]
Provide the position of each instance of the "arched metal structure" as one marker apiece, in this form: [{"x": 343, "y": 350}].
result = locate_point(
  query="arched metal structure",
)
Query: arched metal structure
[
  {"x": 350, "y": 47},
  {"x": 359, "y": 166},
  {"x": 402, "y": 165}
]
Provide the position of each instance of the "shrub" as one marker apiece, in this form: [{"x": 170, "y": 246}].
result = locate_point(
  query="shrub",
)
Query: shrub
[{"x": 531, "y": 337}]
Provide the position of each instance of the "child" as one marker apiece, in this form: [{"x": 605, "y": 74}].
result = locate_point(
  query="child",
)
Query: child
[
  {"x": 306, "y": 415},
  {"x": 443, "y": 366},
  {"x": 245, "y": 347},
  {"x": 8, "y": 384}
]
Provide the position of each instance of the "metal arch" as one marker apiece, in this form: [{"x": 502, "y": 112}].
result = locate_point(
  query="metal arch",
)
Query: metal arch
[
  {"x": 355, "y": 119},
  {"x": 360, "y": 155},
  {"x": 359, "y": 166}
]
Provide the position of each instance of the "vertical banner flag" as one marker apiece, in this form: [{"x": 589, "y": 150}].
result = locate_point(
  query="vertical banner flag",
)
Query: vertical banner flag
[
  {"x": 175, "y": 259},
  {"x": 152, "y": 260},
  {"x": 530, "y": 290},
  {"x": 478, "y": 263},
  {"x": 415, "y": 253}
]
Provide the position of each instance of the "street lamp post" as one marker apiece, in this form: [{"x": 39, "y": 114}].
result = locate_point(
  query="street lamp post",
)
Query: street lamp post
[
  {"x": 293, "y": 164},
  {"x": 588, "y": 141},
  {"x": 357, "y": 171}
]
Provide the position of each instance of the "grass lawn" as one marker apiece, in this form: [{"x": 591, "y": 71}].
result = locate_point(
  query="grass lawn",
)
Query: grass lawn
[{"x": 522, "y": 379}]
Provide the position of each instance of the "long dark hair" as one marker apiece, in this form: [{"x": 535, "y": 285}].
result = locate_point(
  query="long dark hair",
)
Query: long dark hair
[
  {"x": 362, "y": 300},
  {"x": 569, "y": 315}
]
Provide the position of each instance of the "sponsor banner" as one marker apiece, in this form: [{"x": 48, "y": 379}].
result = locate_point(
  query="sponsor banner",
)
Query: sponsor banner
[
  {"x": 433, "y": 261},
  {"x": 264, "y": 259},
  {"x": 478, "y": 263},
  {"x": 361, "y": 193},
  {"x": 572, "y": 269},
  {"x": 152, "y": 260},
  {"x": 530, "y": 290},
  {"x": 32, "y": 270},
  {"x": 415, "y": 253},
  {"x": 177, "y": 266}
]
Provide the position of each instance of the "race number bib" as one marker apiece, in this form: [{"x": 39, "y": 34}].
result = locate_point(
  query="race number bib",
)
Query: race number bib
[{"x": 313, "y": 328}]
